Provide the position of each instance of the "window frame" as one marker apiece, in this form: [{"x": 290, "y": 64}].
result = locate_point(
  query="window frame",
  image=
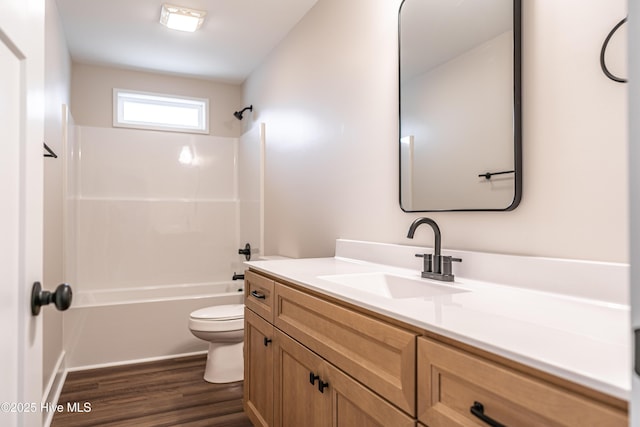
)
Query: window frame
[{"x": 200, "y": 104}]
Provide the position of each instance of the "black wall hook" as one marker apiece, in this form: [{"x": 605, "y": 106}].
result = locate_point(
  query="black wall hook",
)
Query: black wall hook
[{"x": 49, "y": 151}]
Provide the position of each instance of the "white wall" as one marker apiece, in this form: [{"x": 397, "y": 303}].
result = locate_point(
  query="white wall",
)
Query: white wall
[
  {"x": 92, "y": 93},
  {"x": 57, "y": 87},
  {"x": 329, "y": 96}
]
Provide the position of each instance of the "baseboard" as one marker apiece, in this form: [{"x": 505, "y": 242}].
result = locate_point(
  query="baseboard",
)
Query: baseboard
[
  {"x": 52, "y": 392},
  {"x": 134, "y": 361}
]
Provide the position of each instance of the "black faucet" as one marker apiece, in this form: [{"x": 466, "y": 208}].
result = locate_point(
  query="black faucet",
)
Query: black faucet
[
  {"x": 434, "y": 263},
  {"x": 436, "y": 266}
]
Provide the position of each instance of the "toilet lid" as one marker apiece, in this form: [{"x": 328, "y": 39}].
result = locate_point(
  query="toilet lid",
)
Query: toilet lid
[{"x": 220, "y": 312}]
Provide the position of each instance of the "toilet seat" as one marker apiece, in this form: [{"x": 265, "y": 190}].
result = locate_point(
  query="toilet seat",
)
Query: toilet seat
[
  {"x": 220, "y": 312},
  {"x": 218, "y": 318}
]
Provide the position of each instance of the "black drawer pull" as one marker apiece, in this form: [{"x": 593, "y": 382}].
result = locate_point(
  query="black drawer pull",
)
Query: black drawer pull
[
  {"x": 258, "y": 295},
  {"x": 478, "y": 410},
  {"x": 313, "y": 377},
  {"x": 266, "y": 341},
  {"x": 322, "y": 385}
]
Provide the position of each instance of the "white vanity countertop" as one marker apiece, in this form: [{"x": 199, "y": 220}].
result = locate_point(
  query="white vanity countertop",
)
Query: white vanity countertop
[{"x": 582, "y": 340}]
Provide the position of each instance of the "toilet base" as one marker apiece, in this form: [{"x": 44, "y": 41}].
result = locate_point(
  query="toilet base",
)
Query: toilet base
[{"x": 225, "y": 363}]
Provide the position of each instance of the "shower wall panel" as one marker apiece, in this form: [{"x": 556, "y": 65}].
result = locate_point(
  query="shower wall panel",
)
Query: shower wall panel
[{"x": 154, "y": 208}]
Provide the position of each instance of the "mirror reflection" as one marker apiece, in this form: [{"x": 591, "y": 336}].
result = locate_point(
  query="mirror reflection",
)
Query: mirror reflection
[{"x": 460, "y": 120}]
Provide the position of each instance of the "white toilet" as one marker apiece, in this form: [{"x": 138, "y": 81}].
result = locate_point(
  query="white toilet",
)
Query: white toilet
[{"x": 223, "y": 327}]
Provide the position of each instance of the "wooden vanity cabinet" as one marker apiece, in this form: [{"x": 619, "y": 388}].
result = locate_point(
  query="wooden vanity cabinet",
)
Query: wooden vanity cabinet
[{"x": 312, "y": 361}]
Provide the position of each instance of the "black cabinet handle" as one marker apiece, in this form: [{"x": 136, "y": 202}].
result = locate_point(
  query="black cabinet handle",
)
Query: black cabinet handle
[
  {"x": 258, "y": 295},
  {"x": 313, "y": 377},
  {"x": 478, "y": 410},
  {"x": 266, "y": 341},
  {"x": 322, "y": 385}
]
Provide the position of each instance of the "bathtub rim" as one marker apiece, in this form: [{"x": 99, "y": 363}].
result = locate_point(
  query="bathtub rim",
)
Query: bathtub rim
[{"x": 149, "y": 294}]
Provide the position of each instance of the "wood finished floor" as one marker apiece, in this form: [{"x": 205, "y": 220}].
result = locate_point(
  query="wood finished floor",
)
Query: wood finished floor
[{"x": 165, "y": 393}]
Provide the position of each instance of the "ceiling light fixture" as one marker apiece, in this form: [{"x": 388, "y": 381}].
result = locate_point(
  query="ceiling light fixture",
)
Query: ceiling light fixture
[{"x": 181, "y": 18}]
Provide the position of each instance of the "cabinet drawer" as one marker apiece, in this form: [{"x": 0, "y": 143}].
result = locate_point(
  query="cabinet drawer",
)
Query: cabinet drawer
[
  {"x": 451, "y": 380},
  {"x": 258, "y": 294},
  {"x": 377, "y": 354}
]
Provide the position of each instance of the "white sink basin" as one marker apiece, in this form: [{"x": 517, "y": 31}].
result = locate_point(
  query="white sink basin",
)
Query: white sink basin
[{"x": 391, "y": 286}]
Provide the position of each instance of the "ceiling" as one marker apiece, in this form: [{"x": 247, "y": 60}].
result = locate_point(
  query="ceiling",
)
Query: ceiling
[{"x": 234, "y": 39}]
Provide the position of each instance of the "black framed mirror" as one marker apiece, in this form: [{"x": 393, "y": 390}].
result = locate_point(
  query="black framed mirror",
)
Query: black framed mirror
[{"x": 460, "y": 105}]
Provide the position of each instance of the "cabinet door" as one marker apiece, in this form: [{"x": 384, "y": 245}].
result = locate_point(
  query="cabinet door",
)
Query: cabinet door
[
  {"x": 352, "y": 404},
  {"x": 298, "y": 400},
  {"x": 258, "y": 369}
]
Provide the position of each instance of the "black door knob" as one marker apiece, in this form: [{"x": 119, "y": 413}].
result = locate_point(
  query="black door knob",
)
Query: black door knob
[{"x": 61, "y": 297}]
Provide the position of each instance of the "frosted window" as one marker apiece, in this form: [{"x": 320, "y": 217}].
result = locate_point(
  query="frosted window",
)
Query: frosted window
[{"x": 145, "y": 110}]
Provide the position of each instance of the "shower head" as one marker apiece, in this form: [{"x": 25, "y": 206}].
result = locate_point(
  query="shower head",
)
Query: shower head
[{"x": 238, "y": 114}]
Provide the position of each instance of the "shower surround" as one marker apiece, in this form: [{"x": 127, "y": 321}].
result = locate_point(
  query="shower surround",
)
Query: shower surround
[{"x": 152, "y": 233}]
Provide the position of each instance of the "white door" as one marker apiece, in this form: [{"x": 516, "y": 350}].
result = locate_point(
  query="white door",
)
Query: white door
[
  {"x": 634, "y": 202},
  {"x": 21, "y": 156}
]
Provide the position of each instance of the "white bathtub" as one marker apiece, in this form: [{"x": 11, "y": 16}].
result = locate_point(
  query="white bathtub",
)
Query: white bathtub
[{"x": 112, "y": 327}]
